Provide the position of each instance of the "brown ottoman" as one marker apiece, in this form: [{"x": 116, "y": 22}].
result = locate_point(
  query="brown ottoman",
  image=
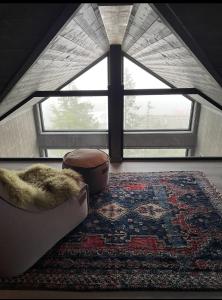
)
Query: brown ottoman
[{"x": 92, "y": 164}]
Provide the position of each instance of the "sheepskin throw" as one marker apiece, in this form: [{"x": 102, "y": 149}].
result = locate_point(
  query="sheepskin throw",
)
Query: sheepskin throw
[{"x": 39, "y": 186}]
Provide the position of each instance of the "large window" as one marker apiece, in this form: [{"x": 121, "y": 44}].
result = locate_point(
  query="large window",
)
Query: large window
[
  {"x": 79, "y": 120},
  {"x": 157, "y": 112},
  {"x": 153, "y": 125},
  {"x": 75, "y": 113},
  {"x": 152, "y": 112},
  {"x": 79, "y": 113}
]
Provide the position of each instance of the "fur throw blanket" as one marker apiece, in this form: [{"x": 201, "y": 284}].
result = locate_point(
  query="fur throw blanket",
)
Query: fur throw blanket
[{"x": 39, "y": 186}]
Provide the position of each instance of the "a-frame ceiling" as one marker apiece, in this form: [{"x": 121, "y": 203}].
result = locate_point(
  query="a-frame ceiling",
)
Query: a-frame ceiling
[
  {"x": 80, "y": 41},
  {"x": 153, "y": 43},
  {"x": 76, "y": 36}
]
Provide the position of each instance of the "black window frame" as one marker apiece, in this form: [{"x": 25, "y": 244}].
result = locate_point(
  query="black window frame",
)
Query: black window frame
[
  {"x": 76, "y": 93},
  {"x": 115, "y": 133},
  {"x": 145, "y": 92}
]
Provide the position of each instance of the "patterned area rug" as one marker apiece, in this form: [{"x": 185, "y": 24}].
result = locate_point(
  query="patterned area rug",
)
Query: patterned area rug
[{"x": 145, "y": 231}]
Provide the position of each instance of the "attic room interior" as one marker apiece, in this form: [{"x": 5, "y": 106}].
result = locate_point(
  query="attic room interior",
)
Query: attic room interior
[{"x": 121, "y": 103}]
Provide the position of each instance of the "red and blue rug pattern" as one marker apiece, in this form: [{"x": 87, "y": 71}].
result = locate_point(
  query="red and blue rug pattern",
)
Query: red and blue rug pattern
[{"x": 145, "y": 231}]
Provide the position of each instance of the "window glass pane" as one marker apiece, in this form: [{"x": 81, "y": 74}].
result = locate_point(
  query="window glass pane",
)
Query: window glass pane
[
  {"x": 154, "y": 153},
  {"x": 156, "y": 112},
  {"x": 137, "y": 78},
  {"x": 96, "y": 78},
  {"x": 75, "y": 113},
  {"x": 61, "y": 152}
]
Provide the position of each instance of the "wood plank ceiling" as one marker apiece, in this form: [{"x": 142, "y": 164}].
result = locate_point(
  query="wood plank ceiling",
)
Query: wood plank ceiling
[
  {"x": 20, "y": 32},
  {"x": 148, "y": 38},
  {"x": 115, "y": 19},
  {"x": 78, "y": 44},
  {"x": 202, "y": 24},
  {"x": 156, "y": 46}
]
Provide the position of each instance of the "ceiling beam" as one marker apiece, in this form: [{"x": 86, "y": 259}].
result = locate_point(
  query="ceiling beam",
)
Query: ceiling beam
[{"x": 183, "y": 91}]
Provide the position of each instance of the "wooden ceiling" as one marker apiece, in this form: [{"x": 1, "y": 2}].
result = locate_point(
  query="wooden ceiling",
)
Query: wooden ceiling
[
  {"x": 19, "y": 34},
  {"x": 202, "y": 23},
  {"x": 42, "y": 46},
  {"x": 151, "y": 41},
  {"x": 80, "y": 42},
  {"x": 115, "y": 19}
]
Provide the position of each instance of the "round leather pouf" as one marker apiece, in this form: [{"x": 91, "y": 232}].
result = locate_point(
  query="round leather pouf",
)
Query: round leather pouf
[{"x": 92, "y": 164}]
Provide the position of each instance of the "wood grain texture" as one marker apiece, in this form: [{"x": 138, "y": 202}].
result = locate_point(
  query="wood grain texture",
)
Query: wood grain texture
[
  {"x": 150, "y": 42},
  {"x": 20, "y": 32},
  {"x": 141, "y": 18},
  {"x": 203, "y": 22},
  {"x": 80, "y": 42},
  {"x": 115, "y": 19}
]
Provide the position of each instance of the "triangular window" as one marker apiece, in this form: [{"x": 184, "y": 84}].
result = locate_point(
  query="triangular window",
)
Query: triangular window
[
  {"x": 79, "y": 113},
  {"x": 152, "y": 112},
  {"x": 95, "y": 78},
  {"x": 137, "y": 78}
]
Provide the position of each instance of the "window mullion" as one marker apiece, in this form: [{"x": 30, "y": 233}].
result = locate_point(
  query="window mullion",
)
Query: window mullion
[{"x": 115, "y": 104}]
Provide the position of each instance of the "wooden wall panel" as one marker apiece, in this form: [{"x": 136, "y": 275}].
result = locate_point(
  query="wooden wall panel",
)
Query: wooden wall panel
[
  {"x": 79, "y": 43},
  {"x": 149, "y": 41}
]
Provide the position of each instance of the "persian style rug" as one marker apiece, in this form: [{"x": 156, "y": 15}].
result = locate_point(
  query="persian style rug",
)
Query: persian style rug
[{"x": 145, "y": 231}]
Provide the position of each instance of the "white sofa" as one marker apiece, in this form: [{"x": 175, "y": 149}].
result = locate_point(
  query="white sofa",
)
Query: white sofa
[{"x": 26, "y": 236}]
